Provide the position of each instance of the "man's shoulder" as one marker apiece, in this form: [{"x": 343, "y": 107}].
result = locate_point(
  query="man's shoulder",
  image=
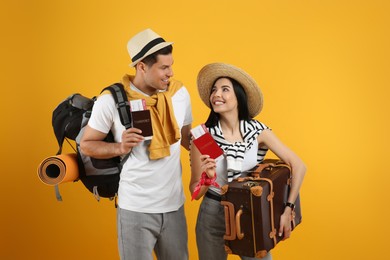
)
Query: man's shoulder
[
  {"x": 105, "y": 99},
  {"x": 175, "y": 82},
  {"x": 175, "y": 85},
  {"x": 181, "y": 93},
  {"x": 178, "y": 88}
]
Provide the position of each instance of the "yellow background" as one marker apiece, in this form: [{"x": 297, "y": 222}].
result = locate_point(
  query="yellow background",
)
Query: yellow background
[{"x": 323, "y": 67}]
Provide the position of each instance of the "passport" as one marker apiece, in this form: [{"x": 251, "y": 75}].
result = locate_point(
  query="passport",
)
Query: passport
[
  {"x": 141, "y": 118},
  {"x": 205, "y": 143}
]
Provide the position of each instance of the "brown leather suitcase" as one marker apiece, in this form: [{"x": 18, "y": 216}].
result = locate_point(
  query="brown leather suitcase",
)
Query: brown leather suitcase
[{"x": 253, "y": 205}]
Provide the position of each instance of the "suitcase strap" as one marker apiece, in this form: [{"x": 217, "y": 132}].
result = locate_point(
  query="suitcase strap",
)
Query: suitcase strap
[{"x": 270, "y": 198}]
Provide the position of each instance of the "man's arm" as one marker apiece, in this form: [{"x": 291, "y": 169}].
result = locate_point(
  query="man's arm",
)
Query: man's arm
[
  {"x": 92, "y": 143},
  {"x": 186, "y": 136}
]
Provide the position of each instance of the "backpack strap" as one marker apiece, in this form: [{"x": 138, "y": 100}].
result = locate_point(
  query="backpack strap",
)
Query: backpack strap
[
  {"x": 123, "y": 106},
  {"x": 122, "y": 103},
  {"x": 57, "y": 192}
]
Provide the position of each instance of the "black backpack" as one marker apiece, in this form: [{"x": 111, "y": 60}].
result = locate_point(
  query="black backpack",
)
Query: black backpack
[{"x": 99, "y": 176}]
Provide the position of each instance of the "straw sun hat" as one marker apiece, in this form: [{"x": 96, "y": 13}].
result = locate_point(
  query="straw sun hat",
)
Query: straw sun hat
[
  {"x": 143, "y": 44},
  {"x": 211, "y": 72}
]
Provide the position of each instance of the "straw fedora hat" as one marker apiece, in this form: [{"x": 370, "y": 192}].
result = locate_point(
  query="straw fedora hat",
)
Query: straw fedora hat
[
  {"x": 211, "y": 72},
  {"x": 143, "y": 44}
]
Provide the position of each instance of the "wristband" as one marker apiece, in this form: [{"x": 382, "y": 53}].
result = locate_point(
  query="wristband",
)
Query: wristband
[
  {"x": 289, "y": 204},
  {"x": 204, "y": 181}
]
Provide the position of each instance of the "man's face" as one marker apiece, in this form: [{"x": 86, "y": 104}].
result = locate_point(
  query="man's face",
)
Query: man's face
[{"x": 157, "y": 76}]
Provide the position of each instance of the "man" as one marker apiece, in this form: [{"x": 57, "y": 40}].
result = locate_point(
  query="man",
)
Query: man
[{"x": 150, "y": 213}]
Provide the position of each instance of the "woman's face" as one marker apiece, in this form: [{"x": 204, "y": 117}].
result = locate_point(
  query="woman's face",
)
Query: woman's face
[{"x": 222, "y": 97}]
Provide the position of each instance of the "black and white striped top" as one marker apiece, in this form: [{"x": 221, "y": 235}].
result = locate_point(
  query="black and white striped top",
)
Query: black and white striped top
[{"x": 234, "y": 152}]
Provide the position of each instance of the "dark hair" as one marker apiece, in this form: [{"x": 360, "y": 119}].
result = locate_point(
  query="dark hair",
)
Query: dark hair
[
  {"x": 242, "y": 101},
  {"x": 152, "y": 58}
]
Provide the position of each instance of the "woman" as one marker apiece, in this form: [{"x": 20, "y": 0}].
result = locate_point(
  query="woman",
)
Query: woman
[{"x": 234, "y": 99}]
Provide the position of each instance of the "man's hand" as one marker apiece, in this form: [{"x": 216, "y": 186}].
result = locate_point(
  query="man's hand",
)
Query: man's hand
[{"x": 130, "y": 138}]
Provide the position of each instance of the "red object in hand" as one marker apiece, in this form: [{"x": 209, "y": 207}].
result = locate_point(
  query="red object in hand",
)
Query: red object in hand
[{"x": 206, "y": 181}]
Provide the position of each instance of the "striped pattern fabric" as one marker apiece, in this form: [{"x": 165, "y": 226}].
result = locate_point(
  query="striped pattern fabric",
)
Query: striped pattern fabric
[{"x": 235, "y": 151}]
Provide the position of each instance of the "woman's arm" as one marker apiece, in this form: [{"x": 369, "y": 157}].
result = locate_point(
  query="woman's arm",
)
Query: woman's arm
[
  {"x": 298, "y": 169},
  {"x": 199, "y": 164}
]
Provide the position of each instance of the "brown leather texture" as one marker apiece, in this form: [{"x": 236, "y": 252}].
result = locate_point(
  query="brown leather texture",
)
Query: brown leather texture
[{"x": 253, "y": 206}]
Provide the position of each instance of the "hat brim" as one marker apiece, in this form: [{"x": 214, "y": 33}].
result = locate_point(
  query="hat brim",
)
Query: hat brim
[
  {"x": 211, "y": 72},
  {"x": 151, "y": 51}
]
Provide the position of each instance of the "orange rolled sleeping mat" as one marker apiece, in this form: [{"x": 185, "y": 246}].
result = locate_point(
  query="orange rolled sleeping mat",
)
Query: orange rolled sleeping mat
[{"x": 58, "y": 169}]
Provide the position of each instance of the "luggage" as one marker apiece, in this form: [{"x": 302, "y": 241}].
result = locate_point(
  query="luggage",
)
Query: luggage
[
  {"x": 69, "y": 118},
  {"x": 253, "y": 205}
]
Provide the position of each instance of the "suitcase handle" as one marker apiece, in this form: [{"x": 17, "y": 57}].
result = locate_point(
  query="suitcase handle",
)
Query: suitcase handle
[
  {"x": 240, "y": 235},
  {"x": 232, "y": 223},
  {"x": 230, "y": 233},
  {"x": 256, "y": 173}
]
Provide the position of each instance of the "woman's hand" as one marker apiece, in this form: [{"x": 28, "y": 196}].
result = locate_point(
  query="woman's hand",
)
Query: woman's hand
[
  {"x": 285, "y": 223},
  {"x": 208, "y": 165}
]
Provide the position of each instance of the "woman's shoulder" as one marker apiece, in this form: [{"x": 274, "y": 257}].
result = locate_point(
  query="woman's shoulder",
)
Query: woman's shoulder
[{"x": 255, "y": 124}]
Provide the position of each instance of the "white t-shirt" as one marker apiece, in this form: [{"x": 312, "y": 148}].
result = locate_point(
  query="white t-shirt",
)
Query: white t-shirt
[{"x": 149, "y": 186}]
